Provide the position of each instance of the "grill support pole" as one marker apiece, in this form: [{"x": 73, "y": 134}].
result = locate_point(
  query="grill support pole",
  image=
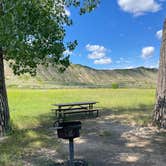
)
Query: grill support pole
[{"x": 71, "y": 151}]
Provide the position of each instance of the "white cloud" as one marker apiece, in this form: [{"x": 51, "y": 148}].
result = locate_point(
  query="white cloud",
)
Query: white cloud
[
  {"x": 67, "y": 11},
  {"x": 129, "y": 67},
  {"x": 98, "y": 54},
  {"x": 139, "y": 7},
  {"x": 159, "y": 34},
  {"x": 147, "y": 51},
  {"x": 122, "y": 61},
  {"x": 96, "y": 51},
  {"x": 153, "y": 66},
  {"x": 97, "y": 48},
  {"x": 103, "y": 61},
  {"x": 67, "y": 52}
]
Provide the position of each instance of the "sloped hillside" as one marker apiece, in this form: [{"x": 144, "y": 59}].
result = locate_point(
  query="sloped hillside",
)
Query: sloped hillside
[{"x": 78, "y": 75}]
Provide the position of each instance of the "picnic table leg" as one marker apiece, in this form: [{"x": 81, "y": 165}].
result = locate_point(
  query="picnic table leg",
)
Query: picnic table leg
[
  {"x": 59, "y": 112},
  {"x": 90, "y": 106}
]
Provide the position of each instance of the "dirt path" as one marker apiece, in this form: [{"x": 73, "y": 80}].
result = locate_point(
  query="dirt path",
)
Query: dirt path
[{"x": 105, "y": 142}]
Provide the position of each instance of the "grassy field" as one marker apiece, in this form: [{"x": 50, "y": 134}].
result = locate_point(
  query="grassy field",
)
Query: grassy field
[
  {"x": 30, "y": 108},
  {"x": 31, "y": 116}
]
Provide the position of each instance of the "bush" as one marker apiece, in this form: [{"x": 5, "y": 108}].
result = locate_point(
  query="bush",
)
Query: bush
[{"x": 115, "y": 85}]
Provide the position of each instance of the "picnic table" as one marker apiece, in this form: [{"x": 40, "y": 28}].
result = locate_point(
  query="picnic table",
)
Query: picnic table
[{"x": 74, "y": 108}]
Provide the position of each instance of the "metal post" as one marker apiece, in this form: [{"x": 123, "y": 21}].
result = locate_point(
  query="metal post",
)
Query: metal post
[{"x": 71, "y": 152}]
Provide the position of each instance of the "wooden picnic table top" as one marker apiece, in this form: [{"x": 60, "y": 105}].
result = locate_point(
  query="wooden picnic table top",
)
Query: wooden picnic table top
[{"x": 75, "y": 104}]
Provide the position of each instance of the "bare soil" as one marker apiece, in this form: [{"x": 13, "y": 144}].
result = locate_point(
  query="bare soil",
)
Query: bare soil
[{"x": 108, "y": 142}]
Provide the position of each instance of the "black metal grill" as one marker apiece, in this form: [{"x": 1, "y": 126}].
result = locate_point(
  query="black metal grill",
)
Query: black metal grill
[{"x": 68, "y": 130}]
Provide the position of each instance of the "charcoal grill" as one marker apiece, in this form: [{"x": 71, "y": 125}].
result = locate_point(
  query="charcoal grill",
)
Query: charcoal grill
[{"x": 69, "y": 130}]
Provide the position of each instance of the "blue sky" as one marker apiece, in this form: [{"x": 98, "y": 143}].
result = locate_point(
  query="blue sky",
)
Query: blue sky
[{"x": 118, "y": 34}]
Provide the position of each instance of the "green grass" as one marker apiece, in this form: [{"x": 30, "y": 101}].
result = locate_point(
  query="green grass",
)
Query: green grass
[
  {"x": 31, "y": 108},
  {"x": 31, "y": 116}
]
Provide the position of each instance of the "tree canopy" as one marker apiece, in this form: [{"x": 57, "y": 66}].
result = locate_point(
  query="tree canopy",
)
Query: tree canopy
[{"x": 32, "y": 32}]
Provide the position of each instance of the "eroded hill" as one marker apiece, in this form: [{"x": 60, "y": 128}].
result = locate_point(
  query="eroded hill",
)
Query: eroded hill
[{"x": 83, "y": 76}]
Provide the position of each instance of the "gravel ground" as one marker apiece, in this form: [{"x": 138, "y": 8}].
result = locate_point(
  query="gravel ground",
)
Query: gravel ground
[{"x": 106, "y": 142}]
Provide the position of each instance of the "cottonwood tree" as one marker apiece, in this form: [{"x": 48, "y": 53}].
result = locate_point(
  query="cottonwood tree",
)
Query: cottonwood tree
[
  {"x": 31, "y": 33},
  {"x": 159, "y": 116}
]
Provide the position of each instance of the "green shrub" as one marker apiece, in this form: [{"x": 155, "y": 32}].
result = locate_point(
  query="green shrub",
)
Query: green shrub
[{"x": 115, "y": 85}]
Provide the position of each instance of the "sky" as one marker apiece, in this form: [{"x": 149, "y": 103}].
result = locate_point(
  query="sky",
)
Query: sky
[{"x": 118, "y": 34}]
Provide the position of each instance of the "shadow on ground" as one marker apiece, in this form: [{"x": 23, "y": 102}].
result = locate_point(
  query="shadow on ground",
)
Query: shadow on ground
[
  {"x": 107, "y": 141},
  {"x": 35, "y": 146},
  {"x": 104, "y": 141}
]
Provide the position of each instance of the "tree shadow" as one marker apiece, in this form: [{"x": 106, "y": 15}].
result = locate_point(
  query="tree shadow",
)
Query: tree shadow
[
  {"x": 107, "y": 141},
  {"x": 33, "y": 146},
  {"x": 104, "y": 141},
  {"x": 139, "y": 115}
]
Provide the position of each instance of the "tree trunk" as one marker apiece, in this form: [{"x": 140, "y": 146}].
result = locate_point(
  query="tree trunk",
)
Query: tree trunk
[
  {"x": 4, "y": 108},
  {"x": 159, "y": 116}
]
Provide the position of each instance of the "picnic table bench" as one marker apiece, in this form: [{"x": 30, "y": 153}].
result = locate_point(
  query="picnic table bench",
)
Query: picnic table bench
[{"x": 75, "y": 108}]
